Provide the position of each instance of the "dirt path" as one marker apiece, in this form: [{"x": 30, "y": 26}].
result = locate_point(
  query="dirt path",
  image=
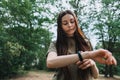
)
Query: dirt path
[{"x": 42, "y": 75}]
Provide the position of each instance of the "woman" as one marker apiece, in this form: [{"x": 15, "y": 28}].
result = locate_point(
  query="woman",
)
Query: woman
[{"x": 71, "y": 54}]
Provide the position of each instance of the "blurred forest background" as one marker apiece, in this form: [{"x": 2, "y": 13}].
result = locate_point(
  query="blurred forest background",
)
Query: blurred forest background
[{"x": 26, "y": 30}]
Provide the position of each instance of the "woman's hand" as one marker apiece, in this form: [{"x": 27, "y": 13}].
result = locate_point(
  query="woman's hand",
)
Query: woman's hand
[
  {"x": 103, "y": 56},
  {"x": 85, "y": 63}
]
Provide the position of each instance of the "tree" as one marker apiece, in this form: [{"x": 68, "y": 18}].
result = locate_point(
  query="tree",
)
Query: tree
[
  {"x": 22, "y": 35},
  {"x": 107, "y": 27}
]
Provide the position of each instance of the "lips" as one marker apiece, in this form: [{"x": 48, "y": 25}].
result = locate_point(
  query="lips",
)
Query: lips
[{"x": 71, "y": 30}]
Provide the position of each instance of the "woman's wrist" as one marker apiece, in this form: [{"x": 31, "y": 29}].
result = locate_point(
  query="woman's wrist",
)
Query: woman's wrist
[{"x": 86, "y": 55}]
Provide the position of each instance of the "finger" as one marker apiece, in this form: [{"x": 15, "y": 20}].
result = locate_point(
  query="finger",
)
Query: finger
[
  {"x": 91, "y": 62},
  {"x": 109, "y": 61},
  {"x": 78, "y": 62},
  {"x": 100, "y": 60},
  {"x": 114, "y": 62},
  {"x": 85, "y": 62},
  {"x": 106, "y": 55},
  {"x": 85, "y": 67}
]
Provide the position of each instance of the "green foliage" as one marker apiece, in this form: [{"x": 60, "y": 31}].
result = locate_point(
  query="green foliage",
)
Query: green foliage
[
  {"x": 13, "y": 49},
  {"x": 107, "y": 28},
  {"x": 10, "y": 58},
  {"x": 45, "y": 40},
  {"x": 117, "y": 68},
  {"x": 101, "y": 68},
  {"x": 24, "y": 42},
  {"x": 107, "y": 2}
]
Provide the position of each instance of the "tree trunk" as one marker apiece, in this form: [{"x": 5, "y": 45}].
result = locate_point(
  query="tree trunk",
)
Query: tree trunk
[
  {"x": 106, "y": 71},
  {"x": 111, "y": 71}
]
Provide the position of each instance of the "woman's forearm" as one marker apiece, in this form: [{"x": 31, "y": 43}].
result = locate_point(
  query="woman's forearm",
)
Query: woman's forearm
[
  {"x": 61, "y": 61},
  {"x": 95, "y": 71}
]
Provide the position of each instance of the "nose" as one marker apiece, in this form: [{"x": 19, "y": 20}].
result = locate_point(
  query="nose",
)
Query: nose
[{"x": 69, "y": 25}]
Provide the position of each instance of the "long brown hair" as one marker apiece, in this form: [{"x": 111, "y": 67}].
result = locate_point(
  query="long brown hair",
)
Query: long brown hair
[{"x": 62, "y": 44}]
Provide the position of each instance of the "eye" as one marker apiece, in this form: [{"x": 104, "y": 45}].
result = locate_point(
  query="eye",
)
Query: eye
[
  {"x": 65, "y": 23},
  {"x": 72, "y": 21}
]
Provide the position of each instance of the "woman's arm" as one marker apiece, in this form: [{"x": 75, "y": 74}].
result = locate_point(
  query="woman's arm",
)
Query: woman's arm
[
  {"x": 95, "y": 71},
  {"x": 54, "y": 61}
]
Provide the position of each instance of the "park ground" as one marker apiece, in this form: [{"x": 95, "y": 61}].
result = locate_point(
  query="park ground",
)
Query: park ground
[{"x": 44, "y": 75}]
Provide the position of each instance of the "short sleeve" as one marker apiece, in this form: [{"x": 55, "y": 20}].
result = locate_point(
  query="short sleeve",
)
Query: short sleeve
[{"x": 52, "y": 48}]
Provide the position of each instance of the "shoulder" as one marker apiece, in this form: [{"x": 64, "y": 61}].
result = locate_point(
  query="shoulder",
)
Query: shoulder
[{"x": 52, "y": 45}]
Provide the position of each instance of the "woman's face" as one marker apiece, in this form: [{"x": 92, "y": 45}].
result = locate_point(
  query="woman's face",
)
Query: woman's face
[{"x": 68, "y": 24}]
